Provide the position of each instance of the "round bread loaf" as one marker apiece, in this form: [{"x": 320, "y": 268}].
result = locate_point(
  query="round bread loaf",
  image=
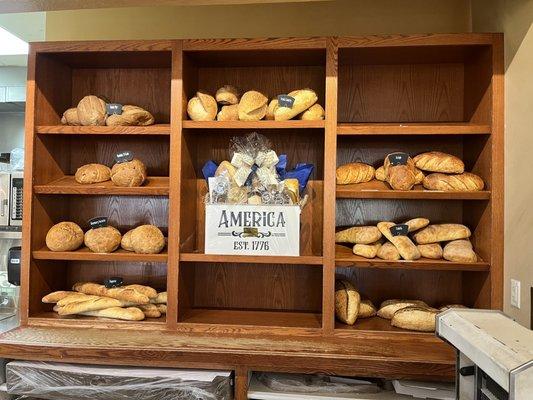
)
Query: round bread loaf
[
  {"x": 227, "y": 95},
  {"x": 202, "y": 107},
  {"x": 253, "y": 106},
  {"x": 147, "y": 239},
  {"x": 92, "y": 173},
  {"x": 91, "y": 111},
  {"x": 131, "y": 116},
  {"x": 228, "y": 113},
  {"x": 65, "y": 236},
  {"x": 125, "y": 243},
  {"x": 129, "y": 174},
  {"x": 70, "y": 117},
  {"x": 102, "y": 240},
  {"x": 313, "y": 113}
]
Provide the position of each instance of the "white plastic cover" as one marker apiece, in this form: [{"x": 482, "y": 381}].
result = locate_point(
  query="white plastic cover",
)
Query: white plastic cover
[{"x": 72, "y": 382}]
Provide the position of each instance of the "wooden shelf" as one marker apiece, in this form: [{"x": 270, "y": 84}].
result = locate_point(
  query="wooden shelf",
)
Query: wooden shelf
[
  {"x": 154, "y": 186},
  {"x": 345, "y": 258},
  {"x": 378, "y": 325},
  {"x": 157, "y": 129},
  {"x": 381, "y": 190},
  {"x": 214, "y": 258},
  {"x": 84, "y": 254},
  {"x": 263, "y": 124},
  {"x": 407, "y": 128},
  {"x": 53, "y": 319},
  {"x": 252, "y": 318}
]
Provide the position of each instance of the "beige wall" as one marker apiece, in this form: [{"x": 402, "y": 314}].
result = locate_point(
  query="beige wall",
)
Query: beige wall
[
  {"x": 514, "y": 18},
  {"x": 338, "y": 17}
]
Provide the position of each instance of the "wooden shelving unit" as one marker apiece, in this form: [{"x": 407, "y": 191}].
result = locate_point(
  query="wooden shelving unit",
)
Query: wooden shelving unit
[{"x": 409, "y": 93}]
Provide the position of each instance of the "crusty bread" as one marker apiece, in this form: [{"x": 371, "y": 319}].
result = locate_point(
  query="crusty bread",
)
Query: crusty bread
[
  {"x": 454, "y": 183},
  {"x": 70, "y": 117},
  {"x": 227, "y": 95},
  {"x": 252, "y": 106},
  {"x": 126, "y": 314},
  {"x": 389, "y": 307},
  {"x": 76, "y": 298},
  {"x": 400, "y": 177},
  {"x": 91, "y": 111},
  {"x": 431, "y": 250},
  {"x": 92, "y": 173},
  {"x": 388, "y": 252},
  {"x": 358, "y": 235},
  {"x": 124, "y": 294},
  {"x": 459, "y": 251},
  {"x": 441, "y": 233},
  {"x": 313, "y": 113},
  {"x": 125, "y": 242},
  {"x": 366, "y": 250},
  {"x": 160, "y": 299},
  {"x": 405, "y": 246},
  {"x": 347, "y": 301},
  {"x": 202, "y": 107},
  {"x": 415, "y": 318},
  {"x": 415, "y": 224},
  {"x": 162, "y": 308},
  {"x": 436, "y": 161},
  {"x": 147, "y": 239},
  {"x": 102, "y": 240},
  {"x": 54, "y": 297},
  {"x": 148, "y": 291},
  {"x": 150, "y": 310},
  {"x": 228, "y": 113},
  {"x": 64, "y": 236},
  {"x": 303, "y": 99},
  {"x": 366, "y": 309},
  {"x": 129, "y": 174},
  {"x": 271, "y": 109},
  {"x": 354, "y": 173},
  {"x": 99, "y": 303},
  {"x": 131, "y": 116}
]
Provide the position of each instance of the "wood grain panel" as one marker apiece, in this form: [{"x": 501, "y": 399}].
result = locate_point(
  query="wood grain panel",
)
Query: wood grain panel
[
  {"x": 103, "y": 45},
  {"x": 426, "y": 39},
  {"x": 254, "y": 44}
]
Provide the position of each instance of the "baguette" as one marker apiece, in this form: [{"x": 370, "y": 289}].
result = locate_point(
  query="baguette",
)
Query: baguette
[
  {"x": 403, "y": 244},
  {"x": 358, "y": 235},
  {"x": 415, "y": 318},
  {"x": 54, "y": 297},
  {"x": 366, "y": 309},
  {"x": 354, "y": 173},
  {"x": 124, "y": 294},
  {"x": 146, "y": 290},
  {"x": 347, "y": 301},
  {"x": 303, "y": 99},
  {"x": 366, "y": 250},
  {"x": 416, "y": 223},
  {"x": 459, "y": 251},
  {"x": 76, "y": 298},
  {"x": 441, "y": 233},
  {"x": 160, "y": 299},
  {"x": 162, "y": 308},
  {"x": 389, "y": 307},
  {"x": 150, "y": 310},
  {"x": 454, "y": 183},
  {"x": 100, "y": 303},
  {"x": 432, "y": 251},
  {"x": 388, "y": 252},
  {"x": 436, "y": 161},
  {"x": 126, "y": 314}
]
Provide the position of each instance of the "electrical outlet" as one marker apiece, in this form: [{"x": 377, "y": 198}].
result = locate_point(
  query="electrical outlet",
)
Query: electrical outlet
[{"x": 515, "y": 293}]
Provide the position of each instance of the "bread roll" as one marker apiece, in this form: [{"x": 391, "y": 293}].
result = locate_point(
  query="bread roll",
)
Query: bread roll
[
  {"x": 380, "y": 174},
  {"x": 150, "y": 310},
  {"x": 454, "y": 183},
  {"x": 415, "y": 318},
  {"x": 126, "y": 314},
  {"x": 416, "y": 223},
  {"x": 147, "y": 239},
  {"x": 54, "y": 297},
  {"x": 389, "y": 307},
  {"x": 227, "y": 95},
  {"x": 432, "y": 251},
  {"x": 228, "y": 113},
  {"x": 100, "y": 303},
  {"x": 103, "y": 240},
  {"x": 354, "y": 173},
  {"x": 358, "y": 235},
  {"x": 460, "y": 251},
  {"x": 366, "y": 309},
  {"x": 441, "y": 233},
  {"x": 436, "y": 161},
  {"x": 123, "y": 294},
  {"x": 162, "y": 308},
  {"x": 271, "y": 109},
  {"x": 303, "y": 99},
  {"x": 388, "y": 252},
  {"x": 400, "y": 177},
  {"x": 129, "y": 174},
  {"x": 347, "y": 301},
  {"x": 314, "y": 113},
  {"x": 70, "y": 117},
  {"x": 160, "y": 299},
  {"x": 92, "y": 173},
  {"x": 91, "y": 111},
  {"x": 403, "y": 244},
  {"x": 253, "y": 106},
  {"x": 202, "y": 107},
  {"x": 125, "y": 242},
  {"x": 366, "y": 250},
  {"x": 131, "y": 116},
  {"x": 64, "y": 236}
]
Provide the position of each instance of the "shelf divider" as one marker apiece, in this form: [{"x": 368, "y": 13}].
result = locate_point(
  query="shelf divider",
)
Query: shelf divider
[{"x": 413, "y": 128}]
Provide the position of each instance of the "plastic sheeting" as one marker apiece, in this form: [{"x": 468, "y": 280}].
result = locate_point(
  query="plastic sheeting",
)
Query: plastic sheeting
[{"x": 82, "y": 382}]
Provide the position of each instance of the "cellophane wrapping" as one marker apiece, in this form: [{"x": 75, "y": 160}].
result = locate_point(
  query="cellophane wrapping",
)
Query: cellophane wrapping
[{"x": 83, "y": 382}]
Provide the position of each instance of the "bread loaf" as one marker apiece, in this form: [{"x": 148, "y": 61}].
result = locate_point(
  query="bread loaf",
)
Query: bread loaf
[
  {"x": 454, "y": 183},
  {"x": 150, "y": 310},
  {"x": 147, "y": 239},
  {"x": 99, "y": 303},
  {"x": 126, "y": 314},
  {"x": 162, "y": 308},
  {"x": 347, "y": 301},
  {"x": 271, "y": 109},
  {"x": 459, "y": 251},
  {"x": 148, "y": 291},
  {"x": 160, "y": 299},
  {"x": 92, "y": 173},
  {"x": 54, "y": 297},
  {"x": 202, "y": 107},
  {"x": 125, "y": 242},
  {"x": 131, "y": 116},
  {"x": 227, "y": 95},
  {"x": 358, "y": 235},
  {"x": 380, "y": 174},
  {"x": 76, "y": 298},
  {"x": 403, "y": 244},
  {"x": 102, "y": 240},
  {"x": 91, "y": 111},
  {"x": 303, "y": 99},
  {"x": 354, "y": 173},
  {"x": 70, "y": 117},
  {"x": 366, "y": 250},
  {"x": 416, "y": 223},
  {"x": 441, "y": 233},
  {"x": 252, "y": 106},
  {"x": 64, "y": 236},
  {"x": 415, "y": 318},
  {"x": 228, "y": 113},
  {"x": 123, "y": 294},
  {"x": 419, "y": 176},
  {"x": 400, "y": 177},
  {"x": 388, "y": 252},
  {"x": 313, "y": 113},
  {"x": 436, "y": 161},
  {"x": 366, "y": 309},
  {"x": 432, "y": 251},
  {"x": 389, "y": 307},
  {"x": 129, "y": 174}
]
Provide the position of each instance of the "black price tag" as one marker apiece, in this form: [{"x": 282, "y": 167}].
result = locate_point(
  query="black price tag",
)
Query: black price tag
[
  {"x": 113, "y": 282},
  {"x": 398, "y": 158},
  {"x": 113, "y": 108},
  {"x": 399, "y": 230},
  {"x": 284, "y": 100},
  {"x": 98, "y": 222},
  {"x": 124, "y": 156}
]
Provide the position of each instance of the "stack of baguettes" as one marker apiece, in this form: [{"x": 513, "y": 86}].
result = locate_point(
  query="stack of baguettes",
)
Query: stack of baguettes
[{"x": 129, "y": 303}]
